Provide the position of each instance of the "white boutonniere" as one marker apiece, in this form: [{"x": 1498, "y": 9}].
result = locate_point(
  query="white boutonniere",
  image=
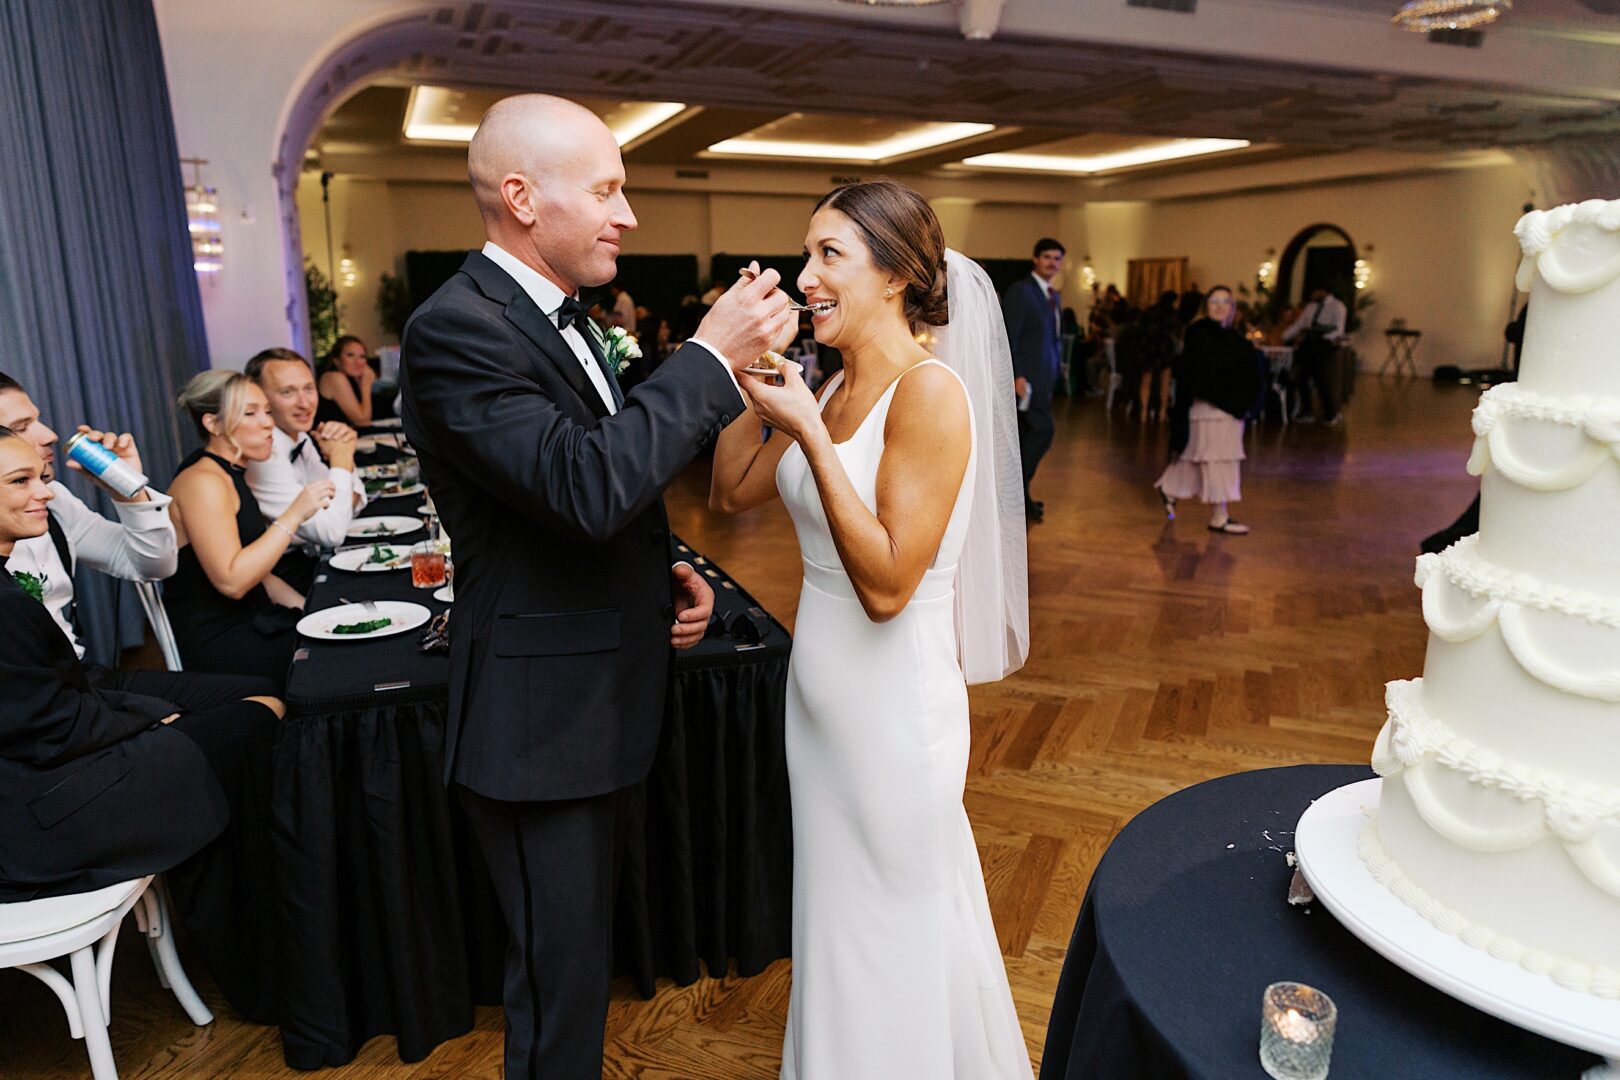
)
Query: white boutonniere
[{"x": 619, "y": 347}]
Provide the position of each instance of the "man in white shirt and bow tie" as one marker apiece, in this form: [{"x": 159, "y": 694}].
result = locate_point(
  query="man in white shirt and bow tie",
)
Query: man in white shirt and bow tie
[
  {"x": 139, "y": 546},
  {"x": 1323, "y": 324},
  {"x": 299, "y": 447}
]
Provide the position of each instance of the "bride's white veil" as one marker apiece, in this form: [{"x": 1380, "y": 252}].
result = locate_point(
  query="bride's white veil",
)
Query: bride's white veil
[{"x": 992, "y": 584}]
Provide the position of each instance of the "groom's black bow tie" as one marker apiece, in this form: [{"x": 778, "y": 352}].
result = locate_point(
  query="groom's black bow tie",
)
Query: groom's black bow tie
[
  {"x": 298, "y": 448},
  {"x": 572, "y": 313}
]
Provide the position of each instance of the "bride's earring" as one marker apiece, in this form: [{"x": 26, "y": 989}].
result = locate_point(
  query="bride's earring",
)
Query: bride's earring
[{"x": 888, "y": 292}]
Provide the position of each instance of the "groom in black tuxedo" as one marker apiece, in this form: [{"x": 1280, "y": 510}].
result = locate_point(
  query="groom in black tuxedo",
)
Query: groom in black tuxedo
[{"x": 568, "y": 598}]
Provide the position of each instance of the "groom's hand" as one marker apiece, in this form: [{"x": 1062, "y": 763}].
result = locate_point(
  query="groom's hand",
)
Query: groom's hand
[
  {"x": 748, "y": 318},
  {"x": 694, "y": 603}
]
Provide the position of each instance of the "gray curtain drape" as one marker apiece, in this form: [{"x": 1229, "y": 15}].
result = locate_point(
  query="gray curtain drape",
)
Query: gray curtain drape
[{"x": 100, "y": 315}]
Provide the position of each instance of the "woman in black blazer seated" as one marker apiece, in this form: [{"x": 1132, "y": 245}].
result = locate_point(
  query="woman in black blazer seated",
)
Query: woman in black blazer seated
[
  {"x": 99, "y": 786},
  {"x": 230, "y": 612}
]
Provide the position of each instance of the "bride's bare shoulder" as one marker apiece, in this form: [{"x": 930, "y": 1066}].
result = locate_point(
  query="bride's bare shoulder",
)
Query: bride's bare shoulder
[{"x": 931, "y": 398}]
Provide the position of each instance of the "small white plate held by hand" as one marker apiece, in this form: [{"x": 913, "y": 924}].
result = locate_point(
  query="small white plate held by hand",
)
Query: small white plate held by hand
[{"x": 344, "y": 622}]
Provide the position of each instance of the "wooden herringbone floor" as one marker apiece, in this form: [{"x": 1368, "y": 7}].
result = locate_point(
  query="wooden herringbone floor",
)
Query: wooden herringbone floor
[{"x": 1163, "y": 655}]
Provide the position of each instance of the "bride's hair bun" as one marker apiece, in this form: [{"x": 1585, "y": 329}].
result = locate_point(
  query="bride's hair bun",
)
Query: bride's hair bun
[{"x": 904, "y": 237}]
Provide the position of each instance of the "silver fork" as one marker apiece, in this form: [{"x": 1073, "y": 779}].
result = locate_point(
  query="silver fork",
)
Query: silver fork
[
  {"x": 818, "y": 307},
  {"x": 369, "y": 605}
]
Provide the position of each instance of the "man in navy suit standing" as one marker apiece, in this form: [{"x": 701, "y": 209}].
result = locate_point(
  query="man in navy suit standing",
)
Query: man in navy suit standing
[{"x": 1033, "y": 309}]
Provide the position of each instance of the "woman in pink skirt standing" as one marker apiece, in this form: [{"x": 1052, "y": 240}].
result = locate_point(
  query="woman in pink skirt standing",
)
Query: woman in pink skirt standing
[{"x": 1217, "y": 382}]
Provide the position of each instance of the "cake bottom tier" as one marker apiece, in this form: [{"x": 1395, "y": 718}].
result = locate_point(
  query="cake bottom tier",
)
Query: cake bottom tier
[{"x": 1530, "y": 906}]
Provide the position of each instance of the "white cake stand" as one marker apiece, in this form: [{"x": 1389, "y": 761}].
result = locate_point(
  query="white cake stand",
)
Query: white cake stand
[{"x": 1326, "y": 841}]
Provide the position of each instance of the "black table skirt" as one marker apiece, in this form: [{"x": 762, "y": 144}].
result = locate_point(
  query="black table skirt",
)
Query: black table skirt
[
  {"x": 388, "y": 922},
  {"x": 1185, "y": 924}
]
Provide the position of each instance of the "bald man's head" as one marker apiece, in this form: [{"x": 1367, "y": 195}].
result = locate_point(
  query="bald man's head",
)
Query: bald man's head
[{"x": 549, "y": 182}]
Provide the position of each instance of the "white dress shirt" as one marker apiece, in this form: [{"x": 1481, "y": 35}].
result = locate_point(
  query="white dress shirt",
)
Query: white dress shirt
[
  {"x": 277, "y": 481},
  {"x": 548, "y": 298},
  {"x": 1333, "y": 314},
  {"x": 139, "y": 546}
]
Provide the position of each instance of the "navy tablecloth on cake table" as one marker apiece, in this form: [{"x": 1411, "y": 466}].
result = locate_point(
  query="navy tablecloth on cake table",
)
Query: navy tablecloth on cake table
[
  {"x": 387, "y": 921},
  {"x": 1185, "y": 924}
]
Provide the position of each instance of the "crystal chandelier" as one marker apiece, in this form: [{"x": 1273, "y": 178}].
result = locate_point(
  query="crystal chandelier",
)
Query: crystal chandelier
[
  {"x": 202, "y": 222},
  {"x": 1422, "y": 16}
]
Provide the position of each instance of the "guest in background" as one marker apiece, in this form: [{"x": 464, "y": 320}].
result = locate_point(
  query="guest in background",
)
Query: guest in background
[
  {"x": 622, "y": 310},
  {"x": 302, "y": 452},
  {"x": 139, "y": 546},
  {"x": 1126, "y": 328},
  {"x": 1513, "y": 334},
  {"x": 687, "y": 318},
  {"x": 1113, "y": 302},
  {"x": 1160, "y": 340},
  {"x": 99, "y": 785},
  {"x": 230, "y": 611},
  {"x": 1190, "y": 306},
  {"x": 1217, "y": 384},
  {"x": 1322, "y": 323},
  {"x": 1032, "y": 308},
  {"x": 345, "y": 384}
]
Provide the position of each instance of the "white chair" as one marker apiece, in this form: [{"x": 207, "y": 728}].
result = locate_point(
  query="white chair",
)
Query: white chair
[
  {"x": 158, "y": 617},
  {"x": 84, "y": 927}
]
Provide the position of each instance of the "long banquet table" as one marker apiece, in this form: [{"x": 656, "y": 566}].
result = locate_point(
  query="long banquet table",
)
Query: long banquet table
[{"x": 387, "y": 921}]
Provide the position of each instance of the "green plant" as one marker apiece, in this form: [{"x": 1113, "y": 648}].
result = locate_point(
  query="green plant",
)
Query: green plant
[
  {"x": 325, "y": 316},
  {"x": 393, "y": 304}
]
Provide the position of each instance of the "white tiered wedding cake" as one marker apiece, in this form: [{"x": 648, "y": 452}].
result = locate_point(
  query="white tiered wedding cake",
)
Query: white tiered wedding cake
[{"x": 1499, "y": 819}]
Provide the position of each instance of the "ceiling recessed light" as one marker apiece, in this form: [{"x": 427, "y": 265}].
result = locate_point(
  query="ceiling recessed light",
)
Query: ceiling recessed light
[
  {"x": 435, "y": 114},
  {"x": 1086, "y": 165},
  {"x": 910, "y": 140}
]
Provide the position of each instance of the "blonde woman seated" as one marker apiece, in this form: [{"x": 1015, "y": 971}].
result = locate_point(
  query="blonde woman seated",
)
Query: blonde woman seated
[
  {"x": 1217, "y": 383},
  {"x": 231, "y": 613}
]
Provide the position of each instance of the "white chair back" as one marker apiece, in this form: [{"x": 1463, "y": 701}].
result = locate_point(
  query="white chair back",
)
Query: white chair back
[{"x": 152, "y": 604}]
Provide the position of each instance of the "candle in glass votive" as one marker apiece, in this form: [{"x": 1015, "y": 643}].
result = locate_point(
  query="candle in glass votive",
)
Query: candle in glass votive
[{"x": 1296, "y": 1031}]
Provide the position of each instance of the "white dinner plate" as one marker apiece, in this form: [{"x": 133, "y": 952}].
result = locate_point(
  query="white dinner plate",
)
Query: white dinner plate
[
  {"x": 387, "y": 422},
  {"x": 357, "y": 559},
  {"x": 378, "y": 472},
  {"x": 382, "y": 527},
  {"x": 402, "y": 614},
  {"x": 365, "y": 444},
  {"x": 392, "y": 492},
  {"x": 444, "y": 595}
]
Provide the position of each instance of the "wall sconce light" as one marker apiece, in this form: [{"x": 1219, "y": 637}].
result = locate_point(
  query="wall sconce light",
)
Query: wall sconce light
[
  {"x": 1268, "y": 269},
  {"x": 1362, "y": 273},
  {"x": 202, "y": 222},
  {"x": 1088, "y": 273},
  {"x": 348, "y": 273}
]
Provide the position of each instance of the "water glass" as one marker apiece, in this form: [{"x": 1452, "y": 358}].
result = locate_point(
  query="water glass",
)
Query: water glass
[{"x": 1296, "y": 1031}]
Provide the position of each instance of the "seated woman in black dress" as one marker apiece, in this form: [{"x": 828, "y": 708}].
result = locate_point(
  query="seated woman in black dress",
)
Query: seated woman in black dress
[
  {"x": 99, "y": 786},
  {"x": 345, "y": 384},
  {"x": 230, "y": 612}
]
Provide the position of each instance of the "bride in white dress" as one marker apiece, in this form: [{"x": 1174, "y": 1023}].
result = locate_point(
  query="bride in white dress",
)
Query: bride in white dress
[{"x": 904, "y": 487}]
